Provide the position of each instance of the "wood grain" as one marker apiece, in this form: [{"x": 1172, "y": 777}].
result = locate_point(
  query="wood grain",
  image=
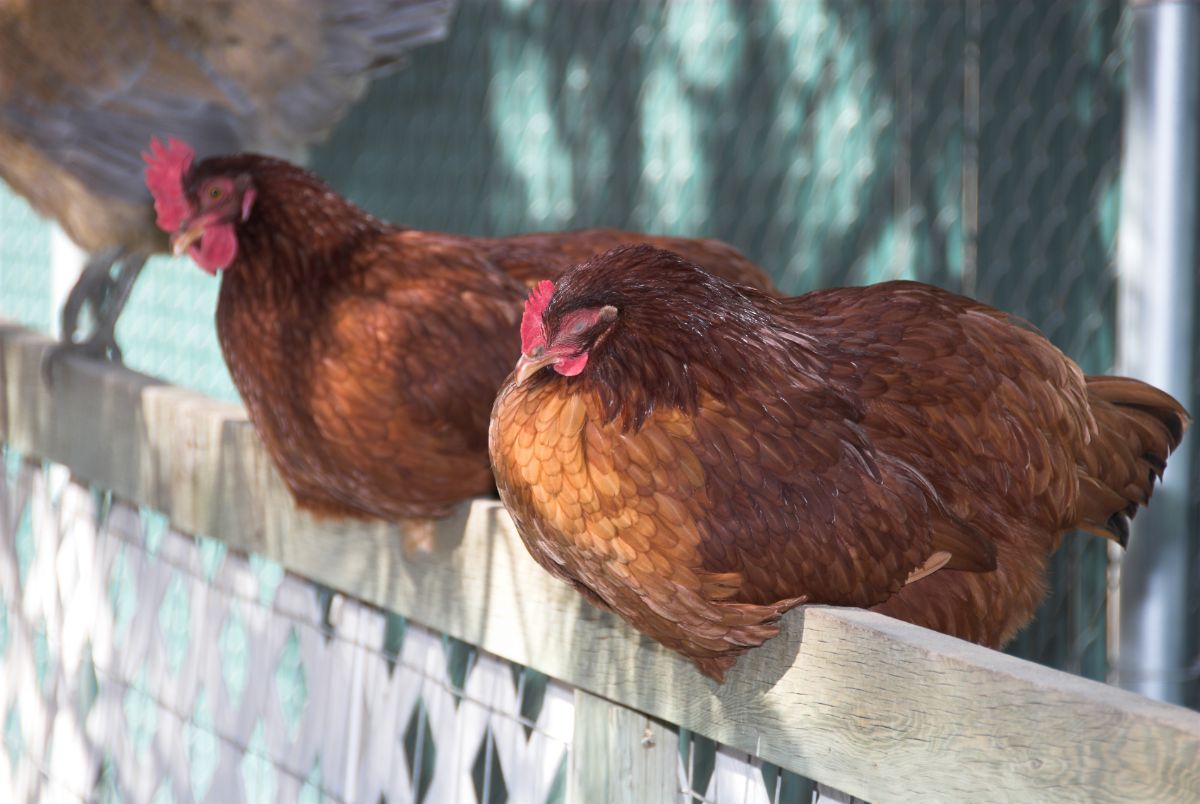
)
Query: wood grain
[
  {"x": 619, "y": 756},
  {"x": 880, "y": 709}
]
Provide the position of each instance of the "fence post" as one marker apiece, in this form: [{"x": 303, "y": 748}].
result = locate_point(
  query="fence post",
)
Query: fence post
[
  {"x": 1156, "y": 263},
  {"x": 619, "y": 756}
]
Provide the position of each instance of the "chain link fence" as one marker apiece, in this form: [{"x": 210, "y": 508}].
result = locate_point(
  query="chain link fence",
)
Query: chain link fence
[{"x": 974, "y": 144}]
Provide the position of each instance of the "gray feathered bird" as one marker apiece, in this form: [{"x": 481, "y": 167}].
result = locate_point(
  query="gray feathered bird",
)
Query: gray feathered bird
[{"x": 84, "y": 86}]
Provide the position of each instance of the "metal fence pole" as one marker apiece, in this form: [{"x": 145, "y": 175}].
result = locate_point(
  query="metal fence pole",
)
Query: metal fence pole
[{"x": 1156, "y": 263}]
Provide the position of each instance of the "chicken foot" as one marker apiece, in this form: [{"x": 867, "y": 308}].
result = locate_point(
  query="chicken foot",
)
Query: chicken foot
[{"x": 106, "y": 292}]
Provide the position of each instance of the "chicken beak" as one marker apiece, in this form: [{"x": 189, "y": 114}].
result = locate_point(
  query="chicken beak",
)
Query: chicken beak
[
  {"x": 182, "y": 240},
  {"x": 527, "y": 366}
]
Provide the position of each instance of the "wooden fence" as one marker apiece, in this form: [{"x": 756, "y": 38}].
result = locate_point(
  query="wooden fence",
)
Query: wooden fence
[{"x": 876, "y": 708}]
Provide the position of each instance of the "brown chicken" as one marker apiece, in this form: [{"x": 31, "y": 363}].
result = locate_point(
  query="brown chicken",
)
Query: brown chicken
[
  {"x": 80, "y": 80},
  {"x": 700, "y": 457},
  {"x": 367, "y": 355}
]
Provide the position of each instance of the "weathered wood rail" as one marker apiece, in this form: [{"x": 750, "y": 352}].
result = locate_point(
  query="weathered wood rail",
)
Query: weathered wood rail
[{"x": 875, "y": 707}]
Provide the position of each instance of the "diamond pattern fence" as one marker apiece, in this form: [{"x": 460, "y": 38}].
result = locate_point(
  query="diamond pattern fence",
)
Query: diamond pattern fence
[
  {"x": 141, "y": 664},
  {"x": 971, "y": 143}
]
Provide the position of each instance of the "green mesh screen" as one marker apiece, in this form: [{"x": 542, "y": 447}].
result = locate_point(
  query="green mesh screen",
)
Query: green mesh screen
[
  {"x": 24, "y": 262},
  {"x": 974, "y": 144}
]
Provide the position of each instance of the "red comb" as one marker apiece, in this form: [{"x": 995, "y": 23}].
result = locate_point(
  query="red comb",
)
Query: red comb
[
  {"x": 165, "y": 169},
  {"x": 532, "y": 333}
]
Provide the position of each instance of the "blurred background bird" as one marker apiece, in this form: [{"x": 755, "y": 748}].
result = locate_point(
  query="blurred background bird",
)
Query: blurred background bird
[
  {"x": 84, "y": 85},
  {"x": 700, "y": 457}
]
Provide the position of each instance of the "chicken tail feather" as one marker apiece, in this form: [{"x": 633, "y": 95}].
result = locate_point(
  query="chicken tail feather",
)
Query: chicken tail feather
[{"x": 1138, "y": 426}]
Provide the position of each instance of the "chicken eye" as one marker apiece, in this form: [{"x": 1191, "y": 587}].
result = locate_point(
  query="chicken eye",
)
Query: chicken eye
[
  {"x": 214, "y": 193},
  {"x": 578, "y": 327}
]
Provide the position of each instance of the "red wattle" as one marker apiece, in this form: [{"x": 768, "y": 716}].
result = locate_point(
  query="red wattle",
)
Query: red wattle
[{"x": 217, "y": 248}]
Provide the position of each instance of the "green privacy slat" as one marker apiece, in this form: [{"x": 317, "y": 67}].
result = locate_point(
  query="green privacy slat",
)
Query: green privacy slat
[
  {"x": 311, "y": 792},
  {"x": 154, "y": 528},
  {"x": 12, "y": 463},
  {"x": 325, "y": 600},
  {"x": 41, "y": 657},
  {"x": 291, "y": 684},
  {"x": 699, "y": 755},
  {"x": 141, "y": 714},
  {"x": 108, "y": 784},
  {"x": 269, "y": 574},
  {"x": 102, "y": 504},
  {"x": 460, "y": 658},
  {"x": 4, "y": 628},
  {"x": 14, "y": 740},
  {"x": 558, "y": 788},
  {"x": 784, "y": 786},
  {"x": 86, "y": 683},
  {"x": 26, "y": 549},
  {"x": 486, "y": 775},
  {"x": 420, "y": 751},
  {"x": 233, "y": 644},
  {"x": 393, "y": 638},
  {"x": 212, "y": 554},
  {"x": 202, "y": 747},
  {"x": 533, "y": 697},
  {"x": 122, "y": 594},
  {"x": 164, "y": 794},
  {"x": 260, "y": 779},
  {"x": 174, "y": 623}
]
